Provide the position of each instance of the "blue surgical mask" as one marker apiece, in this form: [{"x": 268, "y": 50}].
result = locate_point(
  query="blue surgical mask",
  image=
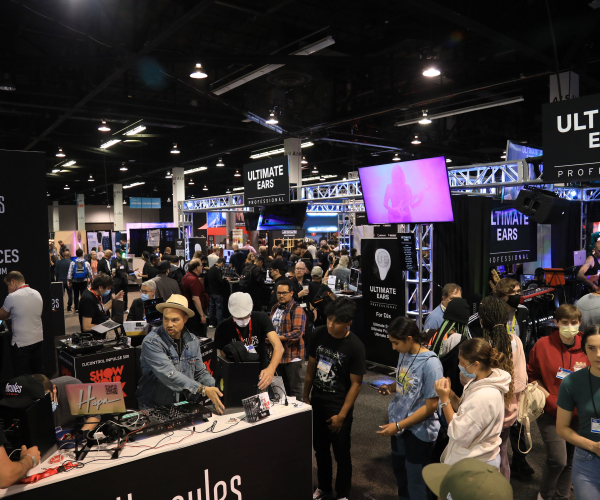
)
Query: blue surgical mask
[
  {"x": 464, "y": 371},
  {"x": 106, "y": 294},
  {"x": 145, "y": 296},
  {"x": 54, "y": 405}
]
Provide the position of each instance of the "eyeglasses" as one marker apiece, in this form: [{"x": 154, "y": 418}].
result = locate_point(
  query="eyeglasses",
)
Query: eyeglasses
[{"x": 283, "y": 293}]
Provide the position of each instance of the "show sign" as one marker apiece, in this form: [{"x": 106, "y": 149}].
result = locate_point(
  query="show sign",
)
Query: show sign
[
  {"x": 24, "y": 232},
  {"x": 571, "y": 136},
  {"x": 267, "y": 182},
  {"x": 513, "y": 237},
  {"x": 383, "y": 296}
]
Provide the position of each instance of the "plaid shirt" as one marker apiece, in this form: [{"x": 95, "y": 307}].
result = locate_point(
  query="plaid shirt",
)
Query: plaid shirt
[{"x": 292, "y": 330}]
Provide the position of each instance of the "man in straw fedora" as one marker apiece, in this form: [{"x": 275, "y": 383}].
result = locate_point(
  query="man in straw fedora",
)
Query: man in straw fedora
[{"x": 171, "y": 361}]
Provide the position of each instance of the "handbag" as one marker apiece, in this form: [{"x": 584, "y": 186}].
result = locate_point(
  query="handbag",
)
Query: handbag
[{"x": 531, "y": 406}]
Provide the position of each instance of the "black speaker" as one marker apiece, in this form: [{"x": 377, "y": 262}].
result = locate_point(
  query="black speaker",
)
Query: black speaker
[
  {"x": 543, "y": 207},
  {"x": 237, "y": 381}
]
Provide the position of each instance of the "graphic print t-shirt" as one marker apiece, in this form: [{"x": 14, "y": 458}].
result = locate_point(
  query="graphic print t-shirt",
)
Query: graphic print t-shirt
[
  {"x": 336, "y": 360},
  {"x": 415, "y": 381}
]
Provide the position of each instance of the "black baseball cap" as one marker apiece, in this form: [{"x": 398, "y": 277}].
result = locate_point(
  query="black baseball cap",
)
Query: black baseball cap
[{"x": 21, "y": 392}]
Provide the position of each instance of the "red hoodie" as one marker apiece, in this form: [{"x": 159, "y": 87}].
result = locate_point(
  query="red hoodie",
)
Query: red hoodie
[{"x": 547, "y": 356}]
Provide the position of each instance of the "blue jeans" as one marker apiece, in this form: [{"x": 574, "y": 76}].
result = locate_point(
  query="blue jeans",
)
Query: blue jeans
[
  {"x": 409, "y": 456},
  {"x": 586, "y": 474},
  {"x": 215, "y": 308}
]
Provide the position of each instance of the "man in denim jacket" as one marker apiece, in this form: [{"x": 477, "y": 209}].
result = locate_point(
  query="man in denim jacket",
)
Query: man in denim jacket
[{"x": 171, "y": 360}]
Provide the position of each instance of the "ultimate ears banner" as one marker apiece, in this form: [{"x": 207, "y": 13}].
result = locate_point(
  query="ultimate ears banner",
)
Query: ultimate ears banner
[{"x": 383, "y": 297}]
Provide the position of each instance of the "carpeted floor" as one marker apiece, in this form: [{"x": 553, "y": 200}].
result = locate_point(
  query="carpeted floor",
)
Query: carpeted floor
[{"x": 373, "y": 478}]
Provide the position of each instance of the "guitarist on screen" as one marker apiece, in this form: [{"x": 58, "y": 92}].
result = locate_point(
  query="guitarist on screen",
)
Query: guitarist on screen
[
  {"x": 588, "y": 273},
  {"x": 399, "y": 197}
]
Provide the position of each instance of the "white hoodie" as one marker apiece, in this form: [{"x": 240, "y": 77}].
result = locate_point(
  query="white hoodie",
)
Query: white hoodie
[{"x": 475, "y": 429}]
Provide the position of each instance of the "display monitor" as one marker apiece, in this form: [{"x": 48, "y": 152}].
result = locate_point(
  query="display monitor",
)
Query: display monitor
[
  {"x": 251, "y": 220},
  {"x": 409, "y": 192},
  {"x": 291, "y": 216},
  {"x": 227, "y": 255},
  {"x": 354, "y": 282}
]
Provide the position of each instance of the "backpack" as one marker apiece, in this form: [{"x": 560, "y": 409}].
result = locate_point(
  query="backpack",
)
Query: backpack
[
  {"x": 322, "y": 299},
  {"x": 176, "y": 274},
  {"x": 80, "y": 271},
  {"x": 246, "y": 280},
  {"x": 531, "y": 406}
]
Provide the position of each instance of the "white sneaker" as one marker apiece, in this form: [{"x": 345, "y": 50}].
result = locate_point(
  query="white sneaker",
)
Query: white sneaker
[{"x": 320, "y": 495}]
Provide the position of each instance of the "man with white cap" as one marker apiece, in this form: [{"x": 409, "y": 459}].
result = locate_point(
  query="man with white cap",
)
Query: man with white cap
[
  {"x": 255, "y": 329},
  {"x": 172, "y": 367}
]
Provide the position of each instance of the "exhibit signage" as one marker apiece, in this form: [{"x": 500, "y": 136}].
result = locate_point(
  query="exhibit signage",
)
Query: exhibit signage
[
  {"x": 513, "y": 237},
  {"x": 383, "y": 296},
  {"x": 144, "y": 202},
  {"x": 571, "y": 136},
  {"x": 267, "y": 182},
  {"x": 408, "y": 251}
]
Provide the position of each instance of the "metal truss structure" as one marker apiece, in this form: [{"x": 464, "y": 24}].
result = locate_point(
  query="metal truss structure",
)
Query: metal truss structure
[
  {"x": 184, "y": 225},
  {"x": 418, "y": 291}
]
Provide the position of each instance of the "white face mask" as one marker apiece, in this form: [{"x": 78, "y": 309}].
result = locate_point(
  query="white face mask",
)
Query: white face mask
[
  {"x": 568, "y": 331},
  {"x": 242, "y": 322}
]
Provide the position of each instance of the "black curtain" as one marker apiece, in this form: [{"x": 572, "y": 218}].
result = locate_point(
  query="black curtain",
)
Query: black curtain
[
  {"x": 565, "y": 236},
  {"x": 461, "y": 249}
]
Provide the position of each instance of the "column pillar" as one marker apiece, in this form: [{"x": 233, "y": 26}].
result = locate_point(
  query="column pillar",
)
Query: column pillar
[
  {"x": 293, "y": 151},
  {"x": 178, "y": 191},
  {"x": 55, "y": 217},
  {"x": 80, "y": 212},
  {"x": 119, "y": 222},
  {"x": 230, "y": 221}
]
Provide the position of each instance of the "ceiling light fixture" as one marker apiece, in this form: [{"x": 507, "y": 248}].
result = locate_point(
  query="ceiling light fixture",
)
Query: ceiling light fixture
[
  {"x": 69, "y": 163},
  {"x": 220, "y": 163},
  {"x": 109, "y": 143},
  {"x": 91, "y": 179},
  {"x": 168, "y": 176},
  {"x": 60, "y": 153},
  {"x": 396, "y": 157},
  {"x": 175, "y": 151},
  {"x": 503, "y": 157},
  {"x": 416, "y": 140},
  {"x": 194, "y": 170},
  {"x": 47, "y": 194},
  {"x": 155, "y": 189},
  {"x": 123, "y": 167},
  {"x": 55, "y": 170},
  {"x": 133, "y": 185},
  {"x": 448, "y": 160},
  {"x": 204, "y": 188},
  {"x": 278, "y": 151},
  {"x": 193, "y": 197},
  {"x": 169, "y": 199},
  {"x": 124, "y": 202},
  {"x": 228, "y": 191},
  {"x": 315, "y": 170},
  {"x": 272, "y": 119},
  {"x": 424, "y": 120},
  {"x": 303, "y": 161},
  {"x": 238, "y": 189},
  {"x": 135, "y": 130},
  {"x": 7, "y": 83},
  {"x": 191, "y": 183},
  {"x": 198, "y": 72},
  {"x": 237, "y": 174},
  {"x": 104, "y": 127},
  {"x": 67, "y": 187},
  {"x": 431, "y": 72}
]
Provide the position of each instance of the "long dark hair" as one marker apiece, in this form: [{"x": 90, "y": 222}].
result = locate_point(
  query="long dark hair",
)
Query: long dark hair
[
  {"x": 493, "y": 313},
  {"x": 589, "y": 332},
  {"x": 403, "y": 327}
]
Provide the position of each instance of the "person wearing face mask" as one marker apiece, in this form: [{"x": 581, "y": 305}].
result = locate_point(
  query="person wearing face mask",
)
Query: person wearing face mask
[
  {"x": 550, "y": 361},
  {"x": 255, "y": 329},
  {"x": 23, "y": 306},
  {"x": 590, "y": 268},
  {"x": 92, "y": 310},
  {"x": 475, "y": 419},
  {"x": 136, "y": 311}
]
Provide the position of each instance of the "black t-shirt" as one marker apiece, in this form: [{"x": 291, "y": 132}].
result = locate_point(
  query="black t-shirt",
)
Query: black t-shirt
[
  {"x": 336, "y": 360},
  {"x": 90, "y": 307},
  {"x": 150, "y": 271},
  {"x": 3, "y": 439},
  {"x": 227, "y": 331}
]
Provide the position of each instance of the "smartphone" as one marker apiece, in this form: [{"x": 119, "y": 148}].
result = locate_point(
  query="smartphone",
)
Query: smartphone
[{"x": 376, "y": 385}]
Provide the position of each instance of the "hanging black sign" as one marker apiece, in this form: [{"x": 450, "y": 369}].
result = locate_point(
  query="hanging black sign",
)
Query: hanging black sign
[
  {"x": 267, "y": 182},
  {"x": 571, "y": 134},
  {"x": 513, "y": 237},
  {"x": 408, "y": 251}
]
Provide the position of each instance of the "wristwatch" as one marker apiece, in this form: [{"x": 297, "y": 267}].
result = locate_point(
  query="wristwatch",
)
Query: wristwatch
[
  {"x": 203, "y": 391},
  {"x": 444, "y": 404},
  {"x": 32, "y": 459}
]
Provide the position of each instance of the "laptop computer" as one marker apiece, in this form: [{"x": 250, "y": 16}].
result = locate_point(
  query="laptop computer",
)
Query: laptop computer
[
  {"x": 95, "y": 399},
  {"x": 118, "y": 311}
]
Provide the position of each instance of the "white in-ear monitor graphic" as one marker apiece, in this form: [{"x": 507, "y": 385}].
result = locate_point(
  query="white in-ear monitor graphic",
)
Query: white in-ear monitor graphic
[
  {"x": 383, "y": 261},
  {"x": 197, "y": 247}
]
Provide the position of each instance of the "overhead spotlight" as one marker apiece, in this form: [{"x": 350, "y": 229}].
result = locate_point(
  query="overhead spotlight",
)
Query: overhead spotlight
[
  {"x": 198, "y": 72},
  {"x": 110, "y": 143},
  {"x": 220, "y": 163},
  {"x": 60, "y": 153},
  {"x": 193, "y": 197},
  {"x": 69, "y": 163},
  {"x": 272, "y": 119},
  {"x": 7, "y": 83},
  {"x": 155, "y": 189},
  {"x": 191, "y": 183},
  {"x": 424, "y": 120},
  {"x": 91, "y": 179},
  {"x": 204, "y": 188},
  {"x": 55, "y": 170},
  {"x": 572, "y": 194},
  {"x": 47, "y": 194},
  {"x": 416, "y": 140},
  {"x": 396, "y": 157},
  {"x": 135, "y": 130},
  {"x": 315, "y": 170},
  {"x": 124, "y": 202},
  {"x": 108, "y": 206},
  {"x": 228, "y": 191},
  {"x": 431, "y": 72},
  {"x": 448, "y": 160},
  {"x": 237, "y": 174},
  {"x": 168, "y": 176},
  {"x": 67, "y": 187},
  {"x": 169, "y": 199},
  {"x": 175, "y": 151},
  {"x": 503, "y": 156},
  {"x": 123, "y": 167},
  {"x": 303, "y": 161},
  {"x": 104, "y": 127}
]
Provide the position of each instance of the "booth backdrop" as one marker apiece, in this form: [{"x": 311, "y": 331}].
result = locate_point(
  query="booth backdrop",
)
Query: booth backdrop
[{"x": 24, "y": 236}]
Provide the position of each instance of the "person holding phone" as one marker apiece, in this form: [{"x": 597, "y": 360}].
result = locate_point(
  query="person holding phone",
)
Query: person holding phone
[{"x": 414, "y": 423}]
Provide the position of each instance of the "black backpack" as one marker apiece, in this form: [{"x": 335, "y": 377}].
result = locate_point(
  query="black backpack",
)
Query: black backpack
[
  {"x": 176, "y": 274},
  {"x": 246, "y": 279},
  {"x": 322, "y": 299}
]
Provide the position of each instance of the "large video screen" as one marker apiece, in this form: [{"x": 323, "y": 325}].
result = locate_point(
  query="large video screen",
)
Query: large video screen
[
  {"x": 290, "y": 216},
  {"x": 409, "y": 192}
]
